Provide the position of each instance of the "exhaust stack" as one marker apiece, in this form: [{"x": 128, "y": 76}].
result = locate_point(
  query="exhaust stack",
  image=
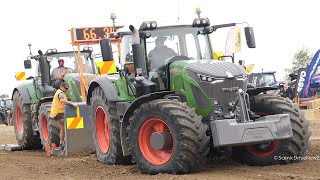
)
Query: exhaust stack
[
  {"x": 106, "y": 50},
  {"x": 137, "y": 52},
  {"x": 45, "y": 79}
]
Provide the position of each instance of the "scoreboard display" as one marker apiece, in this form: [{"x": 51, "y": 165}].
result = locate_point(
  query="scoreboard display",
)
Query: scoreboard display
[{"x": 92, "y": 34}]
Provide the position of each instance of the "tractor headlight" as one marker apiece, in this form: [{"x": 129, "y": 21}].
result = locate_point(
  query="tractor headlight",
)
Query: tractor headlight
[
  {"x": 49, "y": 51},
  {"x": 154, "y": 24},
  {"x": 49, "y": 58},
  {"x": 148, "y": 25},
  {"x": 206, "y": 78},
  {"x": 201, "y": 22}
]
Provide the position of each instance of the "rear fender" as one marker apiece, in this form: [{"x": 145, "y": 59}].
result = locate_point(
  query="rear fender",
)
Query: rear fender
[
  {"x": 26, "y": 98},
  {"x": 107, "y": 87}
]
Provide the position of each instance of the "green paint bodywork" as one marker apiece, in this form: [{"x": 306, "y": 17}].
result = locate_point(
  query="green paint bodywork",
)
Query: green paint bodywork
[
  {"x": 73, "y": 93},
  {"x": 122, "y": 89},
  {"x": 33, "y": 89},
  {"x": 181, "y": 82}
]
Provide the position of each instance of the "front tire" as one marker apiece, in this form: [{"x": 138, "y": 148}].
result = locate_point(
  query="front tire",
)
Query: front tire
[
  {"x": 43, "y": 120},
  {"x": 23, "y": 124},
  {"x": 282, "y": 151},
  {"x": 106, "y": 130},
  {"x": 184, "y": 147}
]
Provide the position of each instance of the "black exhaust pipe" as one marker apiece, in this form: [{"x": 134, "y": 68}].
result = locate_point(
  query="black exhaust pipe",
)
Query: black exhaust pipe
[
  {"x": 137, "y": 52},
  {"x": 45, "y": 76},
  {"x": 106, "y": 50}
]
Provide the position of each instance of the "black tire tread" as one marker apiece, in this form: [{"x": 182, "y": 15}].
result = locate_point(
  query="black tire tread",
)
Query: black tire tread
[
  {"x": 44, "y": 109},
  {"x": 296, "y": 147},
  {"x": 192, "y": 142},
  {"x": 29, "y": 139},
  {"x": 114, "y": 155}
]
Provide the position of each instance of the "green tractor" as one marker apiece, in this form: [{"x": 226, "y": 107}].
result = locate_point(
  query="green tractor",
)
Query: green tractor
[
  {"x": 32, "y": 98},
  {"x": 5, "y": 111},
  {"x": 178, "y": 105}
]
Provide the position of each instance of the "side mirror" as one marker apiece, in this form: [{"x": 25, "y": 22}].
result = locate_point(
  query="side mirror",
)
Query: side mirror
[
  {"x": 242, "y": 62},
  {"x": 250, "y": 37},
  {"x": 27, "y": 64}
]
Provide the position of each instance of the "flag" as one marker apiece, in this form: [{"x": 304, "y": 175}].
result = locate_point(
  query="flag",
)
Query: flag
[{"x": 306, "y": 92}]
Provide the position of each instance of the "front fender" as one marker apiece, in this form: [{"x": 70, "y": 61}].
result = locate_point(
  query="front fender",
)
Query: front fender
[{"x": 257, "y": 90}]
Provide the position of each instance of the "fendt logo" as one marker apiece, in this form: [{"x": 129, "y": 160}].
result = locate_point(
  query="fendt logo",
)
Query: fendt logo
[{"x": 230, "y": 89}]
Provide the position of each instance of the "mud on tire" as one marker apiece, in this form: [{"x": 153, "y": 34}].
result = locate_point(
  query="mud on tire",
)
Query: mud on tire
[
  {"x": 276, "y": 152},
  {"x": 190, "y": 142},
  {"x": 106, "y": 130},
  {"x": 23, "y": 124}
]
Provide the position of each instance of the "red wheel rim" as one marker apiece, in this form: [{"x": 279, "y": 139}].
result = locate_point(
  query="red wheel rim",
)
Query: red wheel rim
[
  {"x": 262, "y": 149},
  {"x": 19, "y": 121},
  {"x": 156, "y": 157},
  {"x": 258, "y": 151},
  {"x": 102, "y": 130},
  {"x": 44, "y": 128}
]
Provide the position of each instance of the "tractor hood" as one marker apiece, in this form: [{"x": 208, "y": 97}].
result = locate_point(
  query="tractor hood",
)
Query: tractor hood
[
  {"x": 73, "y": 79},
  {"x": 213, "y": 68}
]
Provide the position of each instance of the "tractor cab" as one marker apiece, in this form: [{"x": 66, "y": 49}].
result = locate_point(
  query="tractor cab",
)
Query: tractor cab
[
  {"x": 263, "y": 79},
  {"x": 54, "y": 67},
  {"x": 63, "y": 63},
  {"x": 163, "y": 46}
]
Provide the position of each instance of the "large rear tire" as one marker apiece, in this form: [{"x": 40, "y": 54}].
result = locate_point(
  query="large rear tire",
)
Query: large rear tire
[
  {"x": 276, "y": 152},
  {"x": 23, "y": 124},
  {"x": 106, "y": 130},
  {"x": 178, "y": 124},
  {"x": 43, "y": 120}
]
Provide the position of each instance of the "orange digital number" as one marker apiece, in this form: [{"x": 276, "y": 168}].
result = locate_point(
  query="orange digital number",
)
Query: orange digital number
[
  {"x": 106, "y": 32},
  {"x": 85, "y": 34},
  {"x": 93, "y": 34},
  {"x": 89, "y": 34}
]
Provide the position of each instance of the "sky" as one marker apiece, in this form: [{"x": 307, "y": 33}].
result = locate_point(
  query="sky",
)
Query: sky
[{"x": 281, "y": 27}]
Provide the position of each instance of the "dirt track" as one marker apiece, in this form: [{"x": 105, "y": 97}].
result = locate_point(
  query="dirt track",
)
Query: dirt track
[{"x": 35, "y": 165}]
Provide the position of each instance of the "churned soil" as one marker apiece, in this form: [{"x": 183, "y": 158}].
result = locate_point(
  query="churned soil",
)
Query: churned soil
[{"x": 36, "y": 165}]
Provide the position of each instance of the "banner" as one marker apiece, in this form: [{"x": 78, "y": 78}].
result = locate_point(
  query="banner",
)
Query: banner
[
  {"x": 301, "y": 76},
  {"x": 306, "y": 92},
  {"x": 237, "y": 40},
  {"x": 249, "y": 68}
]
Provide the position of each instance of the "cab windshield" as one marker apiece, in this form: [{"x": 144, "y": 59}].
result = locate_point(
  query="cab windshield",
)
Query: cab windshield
[
  {"x": 172, "y": 43},
  {"x": 70, "y": 61}
]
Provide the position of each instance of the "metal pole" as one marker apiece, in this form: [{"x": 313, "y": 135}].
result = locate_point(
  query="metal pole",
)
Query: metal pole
[
  {"x": 113, "y": 17},
  {"x": 80, "y": 67}
]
